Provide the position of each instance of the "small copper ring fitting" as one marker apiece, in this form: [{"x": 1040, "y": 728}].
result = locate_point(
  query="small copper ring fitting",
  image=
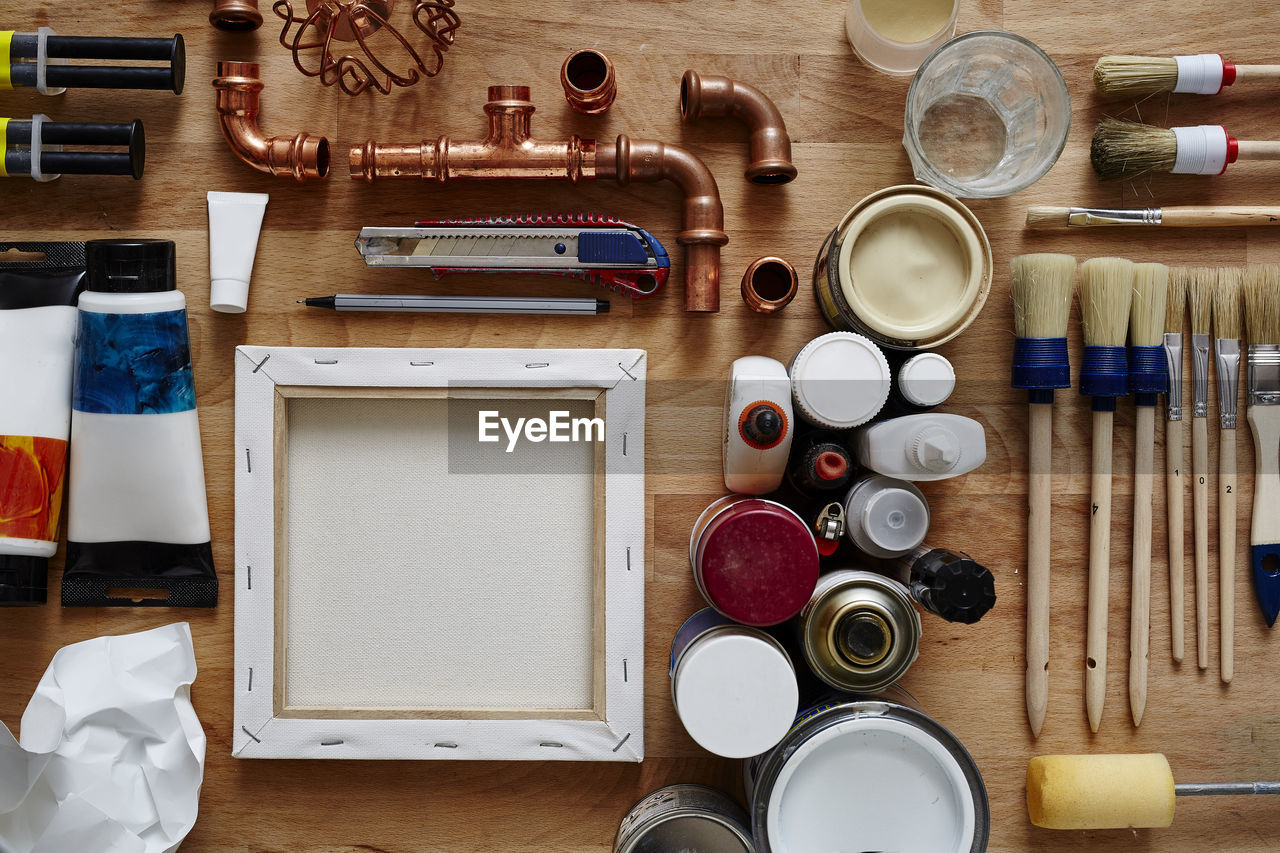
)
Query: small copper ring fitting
[
  {"x": 236, "y": 15},
  {"x": 588, "y": 80},
  {"x": 769, "y": 284}
]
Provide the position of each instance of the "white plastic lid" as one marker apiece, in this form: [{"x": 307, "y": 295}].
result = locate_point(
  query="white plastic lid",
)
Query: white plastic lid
[
  {"x": 736, "y": 694},
  {"x": 886, "y": 517},
  {"x": 229, "y": 295},
  {"x": 926, "y": 379},
  {"x": 871, "y": 783},
  {"x": 840, "y": 380}
]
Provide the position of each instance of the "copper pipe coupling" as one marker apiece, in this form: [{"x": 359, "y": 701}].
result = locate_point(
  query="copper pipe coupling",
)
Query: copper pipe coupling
[
  {"x": 589, "y": 82},
  {"x": 236, "y": 16},
  {"x": 710, "y": 95},
  {"x": 769, "y": 284}
]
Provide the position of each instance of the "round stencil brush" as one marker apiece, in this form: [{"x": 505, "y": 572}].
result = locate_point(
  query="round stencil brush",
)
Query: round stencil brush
[
  {"x": 1201, "y": 74},
  {"x": 1041, "y": 290},
  {"x": 1148, "y": 379},
  {"x": 1262, "y": 319},
  {"x": 1203, "y": 283},
  {"x": 1106, "y": 292},
  {"x": 1226, "y": 351},
  {"x": 1174, "y": 317},
  {"x": 1126, "y": 149}
]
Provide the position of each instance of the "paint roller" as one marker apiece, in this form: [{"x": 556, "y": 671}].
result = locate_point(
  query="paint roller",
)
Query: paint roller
[{"x": 1114, "y": 791}]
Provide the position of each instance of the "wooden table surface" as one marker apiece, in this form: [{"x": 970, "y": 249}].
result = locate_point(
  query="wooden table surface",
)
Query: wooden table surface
[{"x": 846, "y": 123}]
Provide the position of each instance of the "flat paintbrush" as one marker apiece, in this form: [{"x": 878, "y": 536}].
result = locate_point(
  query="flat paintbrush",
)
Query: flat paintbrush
[
  {"x": 1041, "y": 289},
  {"x": 1148, "y": 379},
  {"x": 1203, "y": 282},
  {"x": 1175, "y": 312},
  {"x": 1226, "y": 349},
  {"x": 1262, "y": 318},
  {"x": 1200, "y": 74},
  {"x": 1127, "y": 149},
  {"x": 1186, "y": 216},
  {"x": 1106, "y": 292}
]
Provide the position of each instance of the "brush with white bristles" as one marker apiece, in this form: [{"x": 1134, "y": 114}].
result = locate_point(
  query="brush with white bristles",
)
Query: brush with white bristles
[
  {"x": 1127, "y": 149},
  {"x": 1203, "y": 282},
  {"x": 1226, "y": 348},
  {"x": 1174, "y": 317},
  {"x": 1106, "y": 293},
  {"x": 1148, "y": 379},
  {"x": 1041, "y": 289},
  {"x": 1201, "y": 74}
]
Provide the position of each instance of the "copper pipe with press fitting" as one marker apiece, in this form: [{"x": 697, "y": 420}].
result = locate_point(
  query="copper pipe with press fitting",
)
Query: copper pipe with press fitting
[
  {"x": 712, "y": 95},
  {"x": 302, "y": 156}
]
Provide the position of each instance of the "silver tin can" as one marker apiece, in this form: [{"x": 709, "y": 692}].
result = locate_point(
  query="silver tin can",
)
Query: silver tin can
[{"x": 685, "y": 817}]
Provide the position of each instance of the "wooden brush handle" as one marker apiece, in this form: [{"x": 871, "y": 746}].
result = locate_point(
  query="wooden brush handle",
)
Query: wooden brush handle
[
  {"x": 1095, "y": 673},
  {"x": 1039, "y": 497},
  {"x": 1227, "y": 552},
  {"x": 1264, "y": 536},
  {"x": 1258, "y": 150},
  {"x": 1174, "y": 496},
  {"x": 1200, "y": 526},
  {"x": 1144, "y": 461},
  {"x": 1227, "y": 216},
  {"x": 1252, "y": 73}
]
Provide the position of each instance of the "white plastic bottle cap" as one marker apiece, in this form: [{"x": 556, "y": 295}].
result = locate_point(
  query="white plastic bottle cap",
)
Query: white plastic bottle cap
[
  {"x": 885, "y": 517},
  {"x": 1202, "y": 150},
  {"x": 229, "y": 295},
  {"x": 1200, "y": 74},
  {"x": 926, "y": 379},
  {"x": 937, "y": 449},
  {"x": 736, "y": 694},
  {"x": 840, "y": 380}
]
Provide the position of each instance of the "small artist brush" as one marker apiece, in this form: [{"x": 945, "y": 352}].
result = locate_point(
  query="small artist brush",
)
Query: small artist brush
[
  {"x": 1203, "y": 281},
  {"x": 1125, "y": 148},
  {"x": 1216, "y": 216},
  {"x": 1148, "y": 379},
  {"x": 1262, "y": 318},
  {"x": 1175, "y": 312},
  {"x": 1226, "y": 348},
  {"x": 1041, "y": 289},
  {"x": 1106, "y": 292},
  {"x": 1201, "y": 74}
]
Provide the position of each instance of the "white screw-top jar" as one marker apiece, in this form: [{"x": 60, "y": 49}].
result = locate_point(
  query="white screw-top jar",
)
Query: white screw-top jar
[
  {"x": 840, "y": 380},
  {"x": 926, "y": 380}
]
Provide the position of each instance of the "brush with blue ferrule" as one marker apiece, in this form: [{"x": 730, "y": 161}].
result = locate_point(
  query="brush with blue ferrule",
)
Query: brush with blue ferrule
[
  {"x": 1262, "y": 323},
  {"x": 1041, "y": 289},
  {"x": 1106, "y": 292}
]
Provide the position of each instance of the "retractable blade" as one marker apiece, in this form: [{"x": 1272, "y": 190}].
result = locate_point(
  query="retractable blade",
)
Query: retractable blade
[{"x": 613, "y": 254}]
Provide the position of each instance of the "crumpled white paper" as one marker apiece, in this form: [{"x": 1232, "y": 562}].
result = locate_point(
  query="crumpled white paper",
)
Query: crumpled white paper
[{"x": 112, "y": 754}]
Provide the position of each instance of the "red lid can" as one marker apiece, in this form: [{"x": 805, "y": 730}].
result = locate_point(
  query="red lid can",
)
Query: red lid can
[{"x": 755, "y": 561}]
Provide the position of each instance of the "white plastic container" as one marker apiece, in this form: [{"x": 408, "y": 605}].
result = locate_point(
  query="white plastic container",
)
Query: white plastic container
[
  {"x": 926, "y": 380},
  {"x": 895, "y": 36},
  {"x": 235, "y": 220},
  {"x": 922, "y": 447},
  {"x": 884, "y": 517},
  {"x": 734, "y": 687},
  {"x": 758, "y": 425},
  {"x": 840, "y": 380}
]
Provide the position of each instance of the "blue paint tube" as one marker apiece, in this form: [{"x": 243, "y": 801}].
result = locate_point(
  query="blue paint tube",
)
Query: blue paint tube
[{"x": 138, "y": 520}]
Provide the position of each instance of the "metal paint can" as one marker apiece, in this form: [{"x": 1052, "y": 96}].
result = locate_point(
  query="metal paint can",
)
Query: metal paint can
[
  {"x": 686, "y": 817},
  {"x": 734, "y": 688},
  {"x": 867, "y": 773},
  {"x": 859, "y": 632},
  {"x": 754, "y": 560},
  {"x": 947, "y": 233}
]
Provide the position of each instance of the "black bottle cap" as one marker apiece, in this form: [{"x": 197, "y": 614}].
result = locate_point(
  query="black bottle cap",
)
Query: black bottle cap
[
  {"x": 130, "y": 266},
  {"x": 954, "y": 586},
  {"x": 23, "y": 580},
  {"x": 763, "y": 425}
]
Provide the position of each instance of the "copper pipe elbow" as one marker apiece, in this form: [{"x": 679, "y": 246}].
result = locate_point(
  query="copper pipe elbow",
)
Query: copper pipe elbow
[
  {"x": 712, "y": 95},
  {"x": 236, "y": 15},
  {"x": 589, "y": 82},
  {"x": 301, "y": 157},
  {"x": 647, "y": 161},
  {"x": 769, "y": 284}
]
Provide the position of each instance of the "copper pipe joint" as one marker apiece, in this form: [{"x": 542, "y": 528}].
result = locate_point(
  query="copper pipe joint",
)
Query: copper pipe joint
[
  {"x": 769, "y": 285},
  {"x": 236, "y": 16},
  {"x": 712, "y": 95},
  {"x": 301, "y": 157},
  {"x": 588, "y": 80}
]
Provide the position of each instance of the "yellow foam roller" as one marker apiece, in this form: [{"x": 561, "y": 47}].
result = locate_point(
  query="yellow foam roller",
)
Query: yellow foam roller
[{"x": 1114, "y": 791}]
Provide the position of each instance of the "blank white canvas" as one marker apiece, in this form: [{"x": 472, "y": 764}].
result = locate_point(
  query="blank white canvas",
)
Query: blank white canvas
[{"x": 415, "y": 581}]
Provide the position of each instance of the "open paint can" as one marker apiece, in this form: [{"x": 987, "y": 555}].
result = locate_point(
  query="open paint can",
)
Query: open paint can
[
  {"x": 867, "y": 773},
  {"x": 755, "y": 561},
  {"x": 860, "y": 632},
  {"x": 685, "y": 817},
  {"x": 733, "y": 687},
  {"x": 908, "y": 266}
]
